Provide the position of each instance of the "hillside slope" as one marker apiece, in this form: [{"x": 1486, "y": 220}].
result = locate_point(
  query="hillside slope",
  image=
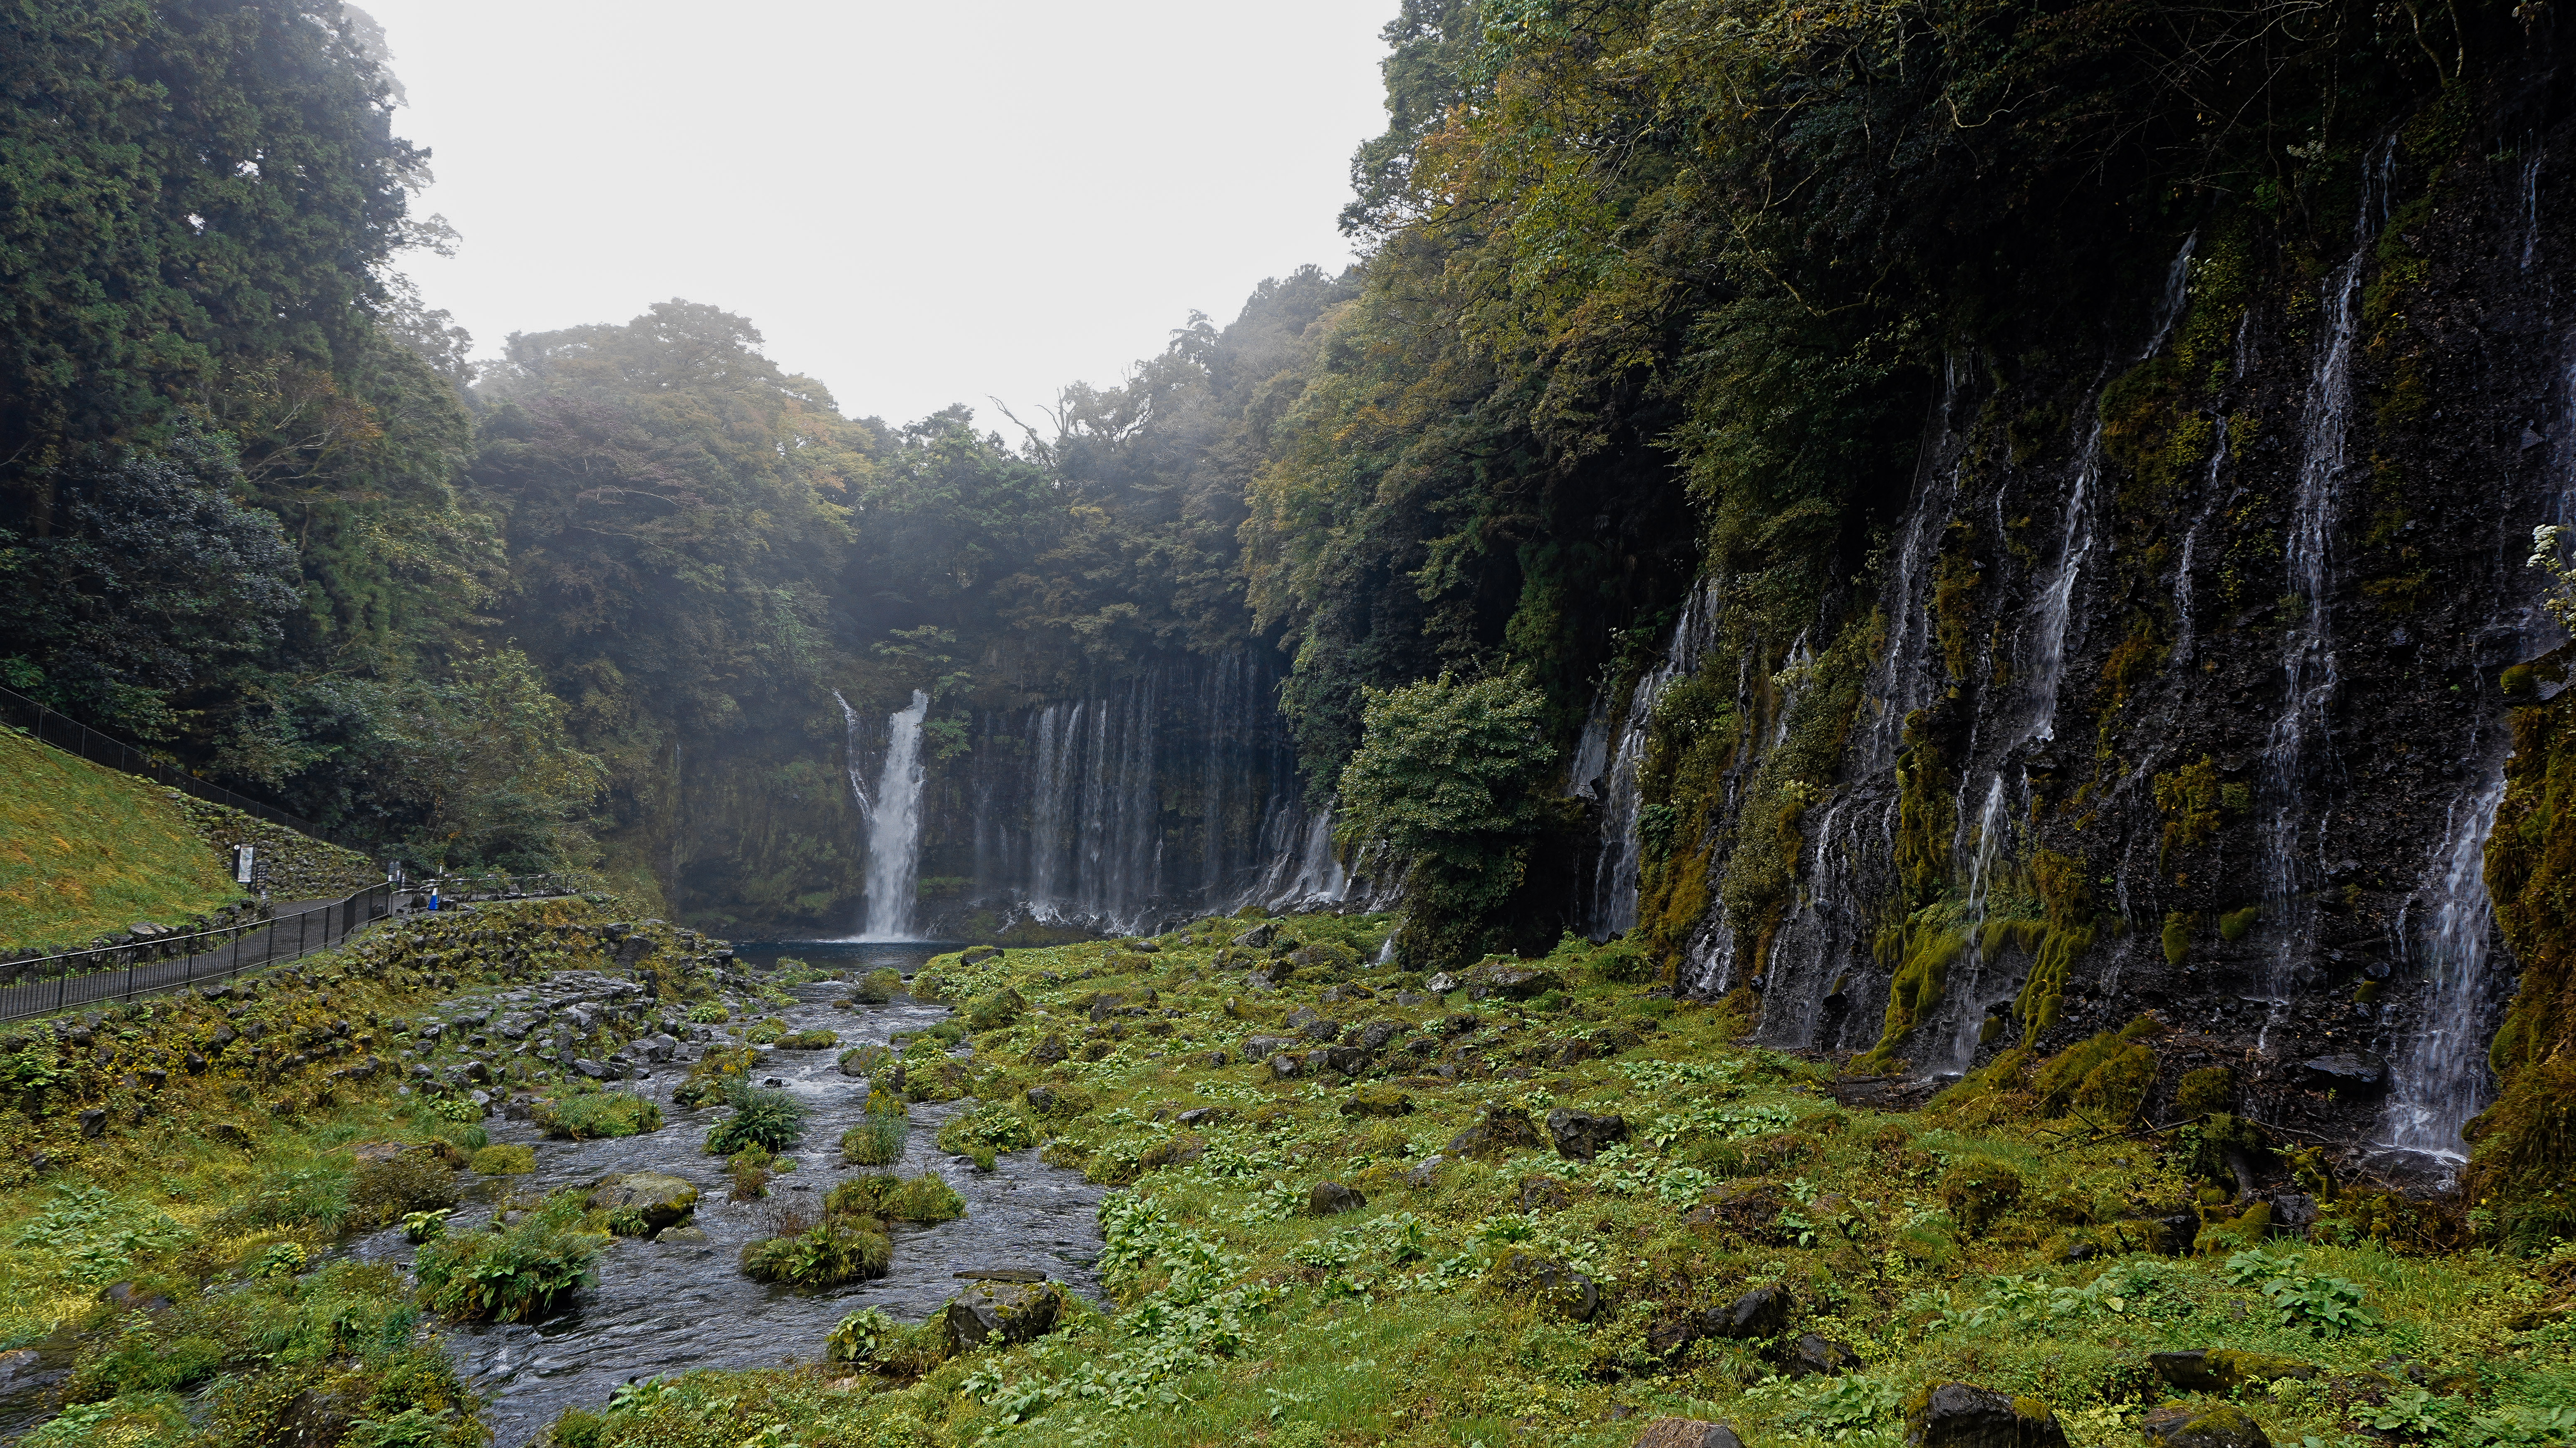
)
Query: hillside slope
[{"x": 85, "y": 851}]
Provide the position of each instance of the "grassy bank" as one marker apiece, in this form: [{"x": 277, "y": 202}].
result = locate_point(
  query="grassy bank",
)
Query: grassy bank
[
  {"x": 87, "y": 851},
  {"x": 179, "y": 1170},
  {"x": 1752, "y": 1251}
]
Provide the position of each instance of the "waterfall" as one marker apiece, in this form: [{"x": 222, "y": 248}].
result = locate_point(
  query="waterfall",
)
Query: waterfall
[
  {"x": 850, "y": 758},
  {"x": 1611, "y": 767},
  {"x": 2440, "y": 1080},
  {"x": 894, "y": 826},
  {"x": 1304, "y": 874},
  {"x": 2309, "y": 674}
]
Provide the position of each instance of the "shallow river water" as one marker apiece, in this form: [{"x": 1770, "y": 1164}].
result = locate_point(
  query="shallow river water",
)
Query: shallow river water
[{"x": 664, "y": 1309}]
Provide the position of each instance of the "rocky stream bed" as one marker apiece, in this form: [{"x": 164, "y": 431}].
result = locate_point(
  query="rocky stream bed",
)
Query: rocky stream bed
[{"x": 661, "y": 1308}]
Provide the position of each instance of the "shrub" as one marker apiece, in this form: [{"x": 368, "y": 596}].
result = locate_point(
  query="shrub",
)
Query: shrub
[
  {"x": 709, "y": 1013},
  {"x": 1449, "y": 777},
  {"x": 877, "y": 1140},
  {"x": 595, "y": 1114},
  {"x": 506, "y": 1160},
  {"x": 925, "y": 1198},
  {"x": 816, "y": 1040},
  {"x": 878, "y": 987},
  {"x": 717, "y": 1073},
  {"x": 1978, "y": 1192},
  {"x": 384, "y": 1192},
  {"x": 836, "y": 1250},
  {"x": 749, "y": 1171},
  {"x": 761, "y": 1117},
  {"x": 766, "y": 1031},
  {"x": 995, "y": 1011},
  {"x": 860, "y": 1336},
  {"x": 518, "y": 1274},
  {"x": 865, "y": 1060}
]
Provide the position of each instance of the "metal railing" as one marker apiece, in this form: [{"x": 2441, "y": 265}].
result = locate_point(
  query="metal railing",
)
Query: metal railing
[
  {"x": 50, "y": 726},
  {"x": 53, "y": 983}
]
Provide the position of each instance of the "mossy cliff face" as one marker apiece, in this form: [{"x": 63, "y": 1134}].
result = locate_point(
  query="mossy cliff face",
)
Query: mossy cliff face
[
  {"x": 2524, "y": 1166},
  {"x": 2173, "y": 674}
]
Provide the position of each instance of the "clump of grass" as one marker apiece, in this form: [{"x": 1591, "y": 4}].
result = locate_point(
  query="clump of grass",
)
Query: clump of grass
[
  {"x": 925, "y": 1198},
  {"x": 835, "y": 1250},
  {"x": 591, "y": 1115},
  {"x": 814, "y": 1040},
  {"x": 761, "y": 1117},
  {"x": 879, "y": 986},
  {"x": 879, "y": 1136},
  {"x": 519, "y": 1273},
  {"x": 749, "y": 1173},
  {"x": 988, "y": 1130}
]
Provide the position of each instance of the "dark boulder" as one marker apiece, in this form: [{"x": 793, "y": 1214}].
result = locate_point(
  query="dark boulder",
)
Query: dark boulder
[
  {"x": 1961, "y": 1415},
  {"x": 2225, "y": 1425},
  {"x": 1329, "y": 1199},
  {"x": 1762, "y": 1312},
  {"x": 1817, "y": 1356},
  {"x": 1554, "y": 1284},
  {"x": 2219, "y": 1370},
  {"x": 1501, "y": 1131},
  {"x": 2356, "y": 1077},
  {"x": 1540, "y": 1195},
  {"x": 1580, "y": 1135},
  {"x": 1511, "y": 982}
]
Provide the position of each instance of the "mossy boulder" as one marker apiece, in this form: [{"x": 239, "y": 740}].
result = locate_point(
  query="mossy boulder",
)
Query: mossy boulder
[
  {"x": 1963, "y": 1415},
  {"x": 1501, "y": 1131},
  {"x": 2225, "y": 1231},
  {"x": 656, "y": 1199},
  {"x": 1006, "y": 1312},
  {"x": 2219, "y": 1370},
  {"x": 1557, "y": 1287},
  {"x": 2178, "y": 1425}
]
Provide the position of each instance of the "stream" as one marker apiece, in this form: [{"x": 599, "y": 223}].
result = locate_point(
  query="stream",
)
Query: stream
[{"x": 660, "y": 1309}]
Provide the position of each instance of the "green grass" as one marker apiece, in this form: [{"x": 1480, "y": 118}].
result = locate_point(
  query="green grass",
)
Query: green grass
[
  {"x": 1932, "y": 1244},
  {"x": 86, "y": 851}
]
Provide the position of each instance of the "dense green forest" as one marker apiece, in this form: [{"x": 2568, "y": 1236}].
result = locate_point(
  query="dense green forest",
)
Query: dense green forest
[{"x": 1653, "y": 293}]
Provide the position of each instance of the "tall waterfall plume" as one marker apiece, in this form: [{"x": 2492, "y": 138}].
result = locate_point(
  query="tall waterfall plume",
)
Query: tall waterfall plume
[{"x": 894, "y": 826}]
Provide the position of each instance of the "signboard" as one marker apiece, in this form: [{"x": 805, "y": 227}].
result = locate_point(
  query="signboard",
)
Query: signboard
[{"x": 242, "y": 861}]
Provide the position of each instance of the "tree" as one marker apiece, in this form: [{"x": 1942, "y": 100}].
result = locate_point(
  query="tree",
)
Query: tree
[{"x": 1450, "y": 780}]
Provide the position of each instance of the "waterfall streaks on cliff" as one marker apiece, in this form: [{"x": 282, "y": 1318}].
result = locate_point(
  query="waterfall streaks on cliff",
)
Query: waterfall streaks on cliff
[
  {"x": 2309, "y": 672},
  {"x": 1137, "y": 801},
  {"x": 894, "y": 828},
  {"x": 1608, "y": 769},
  {"x": 2440, "y": 1080}
]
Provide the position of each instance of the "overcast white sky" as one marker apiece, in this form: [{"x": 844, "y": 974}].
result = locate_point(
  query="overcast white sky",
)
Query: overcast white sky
[{"x": 918, "y": 204}]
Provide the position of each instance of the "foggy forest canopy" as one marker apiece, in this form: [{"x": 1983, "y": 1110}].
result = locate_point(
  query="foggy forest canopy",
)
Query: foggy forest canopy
[{"x": 1651, "y": 292}]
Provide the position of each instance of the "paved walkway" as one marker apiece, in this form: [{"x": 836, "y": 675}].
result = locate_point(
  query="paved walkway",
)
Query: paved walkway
[{"x": 297, "y": 929}]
